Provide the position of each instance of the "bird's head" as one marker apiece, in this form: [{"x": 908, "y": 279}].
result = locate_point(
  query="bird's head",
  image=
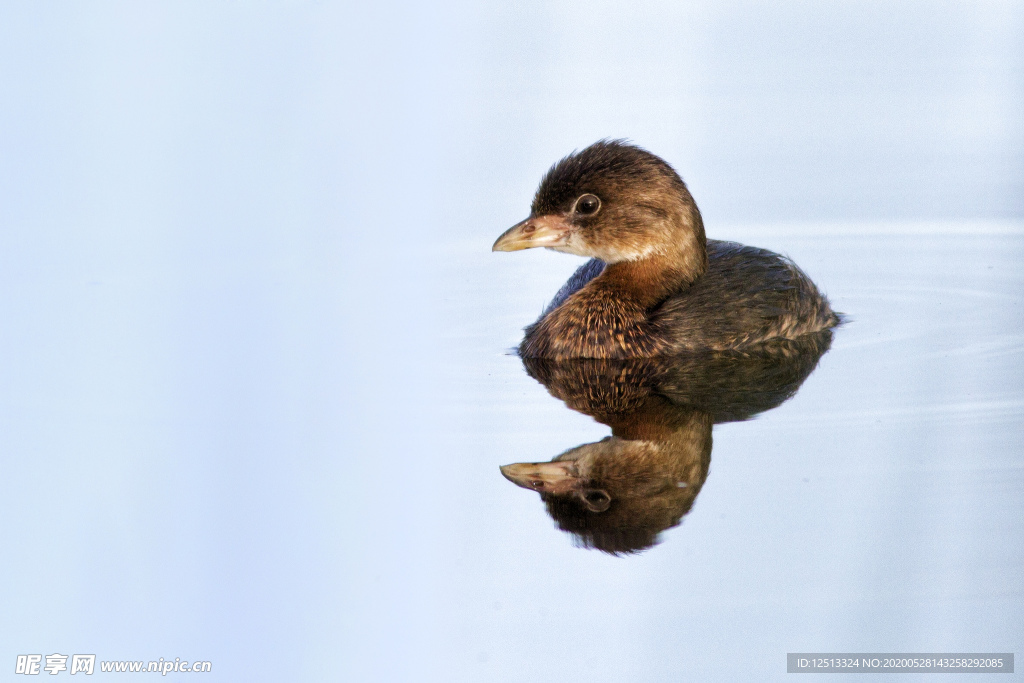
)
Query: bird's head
[
  {"x": 615, "y": 202},
  {"x": 617, "y": 495}
]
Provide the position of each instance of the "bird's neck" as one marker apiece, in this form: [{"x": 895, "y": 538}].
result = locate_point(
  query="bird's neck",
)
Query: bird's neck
[
  {"x": 679, "y": 260},
  {"x": 648, "y": 281},
  {"x": 610, "y": 316}
]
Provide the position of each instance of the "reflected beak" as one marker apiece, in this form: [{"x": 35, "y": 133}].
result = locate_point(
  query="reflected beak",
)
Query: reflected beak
[
  {"x": 543, "y": 477},
  {"x": 536, "y": 231}
]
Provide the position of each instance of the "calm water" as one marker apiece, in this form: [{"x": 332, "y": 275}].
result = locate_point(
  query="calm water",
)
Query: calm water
[
  {"x": 213, "y": 468},
  {"x": 255, "y": 386},
  {"x": 881, "y": 506}
]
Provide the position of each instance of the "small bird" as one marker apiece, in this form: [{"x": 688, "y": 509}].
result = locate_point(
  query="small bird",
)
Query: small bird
[
  {"x": 618, "y": 494},
  {"x": 655, "y": 285}
]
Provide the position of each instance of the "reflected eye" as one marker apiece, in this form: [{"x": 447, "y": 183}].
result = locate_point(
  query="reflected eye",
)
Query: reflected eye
[
  {"x": 596, "y": 500},
  {"x": 588, "y": 204}
]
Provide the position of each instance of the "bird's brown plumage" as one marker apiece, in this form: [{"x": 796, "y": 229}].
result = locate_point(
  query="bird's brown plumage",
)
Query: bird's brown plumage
[
  {"x": 656, "y": 285},
  {"x": 646, "y": 476}
]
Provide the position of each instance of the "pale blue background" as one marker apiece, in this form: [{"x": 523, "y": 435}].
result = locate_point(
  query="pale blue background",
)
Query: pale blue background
[{"x": 252, "y": 390}]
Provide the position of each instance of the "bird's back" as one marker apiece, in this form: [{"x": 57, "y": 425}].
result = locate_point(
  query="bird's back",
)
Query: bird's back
[{"x": 746, "y": 297}]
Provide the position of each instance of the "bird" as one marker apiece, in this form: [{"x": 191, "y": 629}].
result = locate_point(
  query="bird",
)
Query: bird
[
  {"x": 617, "y": 495},
  {"x": 654, "y": 285}
]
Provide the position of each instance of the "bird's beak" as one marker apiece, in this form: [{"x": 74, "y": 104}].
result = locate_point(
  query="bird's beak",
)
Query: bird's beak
[
  {"x": 536, "y": 231},
  {"x": 544, "y": 477}
]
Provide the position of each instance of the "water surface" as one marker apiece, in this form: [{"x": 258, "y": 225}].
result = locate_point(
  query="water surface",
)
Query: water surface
[
  {"x": 254, "y": 375},
  {"x": 878, "y": 508}
]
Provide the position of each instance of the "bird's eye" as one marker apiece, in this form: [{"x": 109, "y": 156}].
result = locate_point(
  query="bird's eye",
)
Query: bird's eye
[
  {"x": 596, "y": 500},
  {"x": 588, "y": 205}
]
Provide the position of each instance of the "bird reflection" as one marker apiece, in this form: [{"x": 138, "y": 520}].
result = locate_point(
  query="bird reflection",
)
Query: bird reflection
[{"x": 618, "y": 494}]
